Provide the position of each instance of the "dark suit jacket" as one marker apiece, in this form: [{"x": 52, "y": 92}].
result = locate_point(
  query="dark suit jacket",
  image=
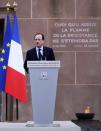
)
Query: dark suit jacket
[{"x": 31, "y": 55}]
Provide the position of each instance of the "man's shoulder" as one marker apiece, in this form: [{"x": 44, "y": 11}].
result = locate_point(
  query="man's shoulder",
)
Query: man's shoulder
[
  {"x": 47, "y": 48},
  {"x": 31, "y": 50}
]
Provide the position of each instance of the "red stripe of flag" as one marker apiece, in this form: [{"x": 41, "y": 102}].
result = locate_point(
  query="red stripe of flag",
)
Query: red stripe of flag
[{"x": 15, "y": 84}]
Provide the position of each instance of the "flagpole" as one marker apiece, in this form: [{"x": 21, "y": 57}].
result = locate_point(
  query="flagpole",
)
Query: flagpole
[
  {"x": 5, "y": 97},
  {"x": 17, "y": 103},
  {"x": 8, "y": 9},
  {"x": 9, "y": 99}
]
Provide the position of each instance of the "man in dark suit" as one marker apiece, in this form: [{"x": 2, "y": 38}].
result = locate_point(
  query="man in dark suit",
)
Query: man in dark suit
[{"x": 39, "y": 52}]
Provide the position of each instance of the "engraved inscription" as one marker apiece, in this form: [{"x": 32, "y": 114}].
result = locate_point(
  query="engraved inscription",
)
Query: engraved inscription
[{"x": 75, "y": 34}]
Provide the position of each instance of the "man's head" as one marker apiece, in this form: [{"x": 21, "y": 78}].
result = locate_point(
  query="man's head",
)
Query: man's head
[{"x": 39, "y": 39}]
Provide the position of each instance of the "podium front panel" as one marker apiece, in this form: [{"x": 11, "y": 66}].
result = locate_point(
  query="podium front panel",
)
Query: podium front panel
[{"x": 43, "y": 82}]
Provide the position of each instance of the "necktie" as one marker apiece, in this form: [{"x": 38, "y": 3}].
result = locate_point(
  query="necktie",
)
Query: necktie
[{"x": 39, "y": 53}]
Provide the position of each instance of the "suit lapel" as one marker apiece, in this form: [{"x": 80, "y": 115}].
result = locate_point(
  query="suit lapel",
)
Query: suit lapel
[
  {"x": 35, "y": 54},
  {"x": 44, "y": 51}
]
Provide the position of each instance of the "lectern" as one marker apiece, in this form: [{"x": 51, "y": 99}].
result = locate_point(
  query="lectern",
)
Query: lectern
[{"x": 43, "y": 81}]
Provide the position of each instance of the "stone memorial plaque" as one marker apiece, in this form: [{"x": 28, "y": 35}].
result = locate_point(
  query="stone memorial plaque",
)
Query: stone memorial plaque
[{"x": 75, "y": 34}]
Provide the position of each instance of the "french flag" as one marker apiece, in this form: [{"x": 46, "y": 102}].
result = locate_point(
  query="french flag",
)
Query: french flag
[{"x": 15, "y": 77}]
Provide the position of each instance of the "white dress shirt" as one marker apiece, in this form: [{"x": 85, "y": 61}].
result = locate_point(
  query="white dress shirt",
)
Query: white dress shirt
[{"x": 41, "y": 51}]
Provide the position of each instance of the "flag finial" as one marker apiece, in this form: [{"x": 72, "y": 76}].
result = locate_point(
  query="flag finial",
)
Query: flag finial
[
  {"x": 8, "y": 6},
  {"x": 15, "y": 5}
]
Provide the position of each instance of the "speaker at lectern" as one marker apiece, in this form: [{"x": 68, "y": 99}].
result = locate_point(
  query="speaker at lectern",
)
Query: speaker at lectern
[{"x": 43, "y": 80}]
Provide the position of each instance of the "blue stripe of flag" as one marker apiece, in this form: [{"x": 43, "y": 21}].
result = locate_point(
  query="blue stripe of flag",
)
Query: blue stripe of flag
[
  {"x": 16, "y": 35},
  {"x": 4, "y": 55}
]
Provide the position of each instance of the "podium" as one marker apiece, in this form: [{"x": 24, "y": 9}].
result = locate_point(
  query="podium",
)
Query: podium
[{"x": 43, "y": 80}]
